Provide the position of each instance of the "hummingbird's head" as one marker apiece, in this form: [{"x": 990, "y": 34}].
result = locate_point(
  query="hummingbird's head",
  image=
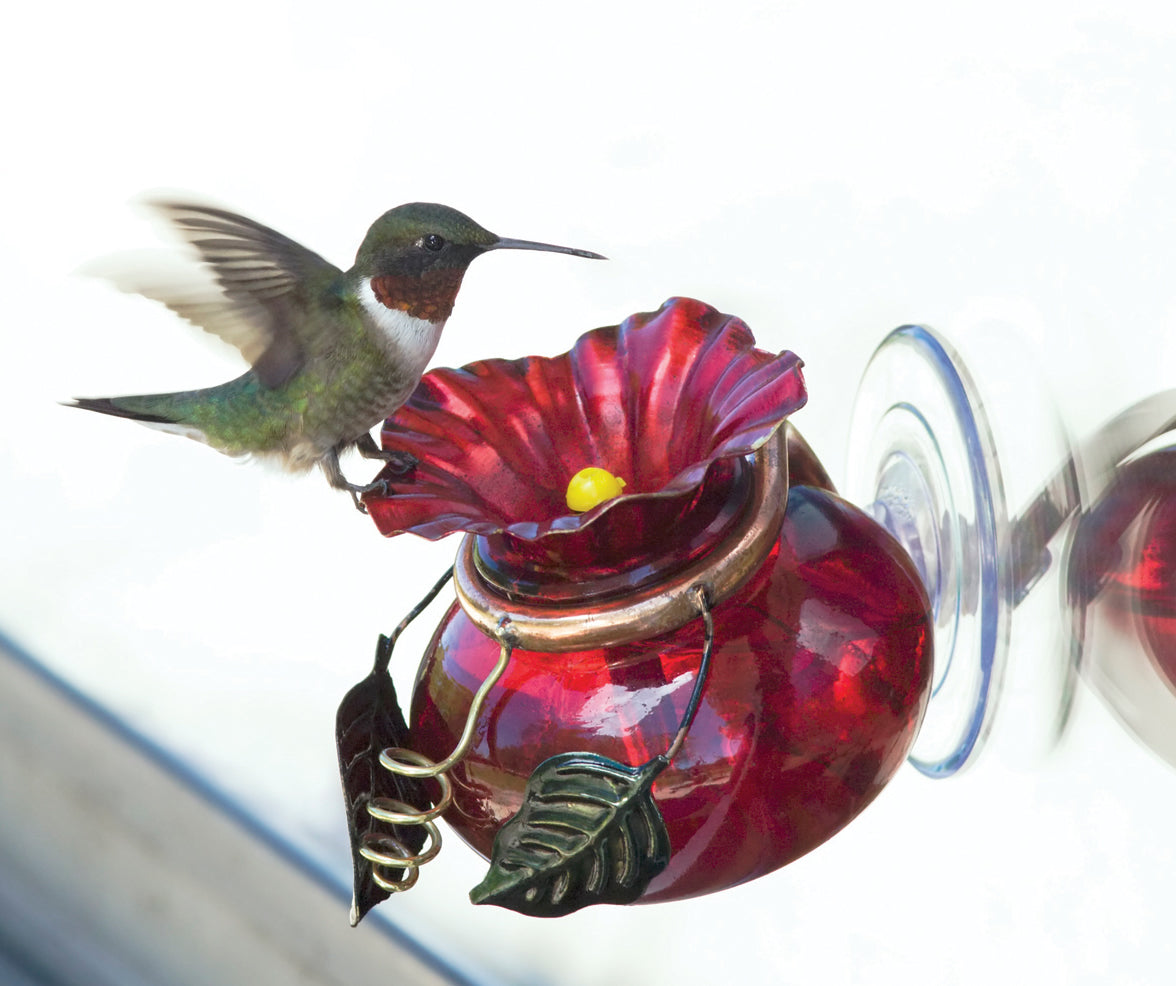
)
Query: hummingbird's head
[
  {"x": 411, "y": 239},
  {"x": 422, "y": 236},
  {"x": 415, "y": 255}
]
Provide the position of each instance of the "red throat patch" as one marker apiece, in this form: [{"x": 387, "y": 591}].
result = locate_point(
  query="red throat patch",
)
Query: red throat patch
[{"x": 429, "y": 296}]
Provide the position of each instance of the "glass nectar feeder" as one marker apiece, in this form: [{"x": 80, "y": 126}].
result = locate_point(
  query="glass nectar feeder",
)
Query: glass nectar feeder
[{"x": 681, "y": 689}]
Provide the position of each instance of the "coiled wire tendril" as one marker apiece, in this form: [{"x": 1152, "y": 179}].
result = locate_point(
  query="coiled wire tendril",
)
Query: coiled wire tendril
[{"x": 387, "y": 851}]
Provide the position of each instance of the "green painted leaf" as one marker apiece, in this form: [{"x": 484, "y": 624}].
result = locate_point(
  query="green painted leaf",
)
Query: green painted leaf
[{"x": 588, "y": 833}]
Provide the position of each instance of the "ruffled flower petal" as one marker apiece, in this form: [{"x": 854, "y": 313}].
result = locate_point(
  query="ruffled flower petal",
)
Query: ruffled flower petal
[{"x": 656, "y": 400}]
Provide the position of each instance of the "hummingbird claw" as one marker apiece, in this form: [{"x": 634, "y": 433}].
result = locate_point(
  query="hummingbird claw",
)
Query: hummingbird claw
[
  {"x": 380, "y": 487},
  {"x": 401, "y": 463},
  {"x": 330, "y": 465}
]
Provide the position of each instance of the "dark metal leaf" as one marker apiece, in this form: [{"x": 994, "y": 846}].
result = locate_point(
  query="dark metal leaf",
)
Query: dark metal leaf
[
  {"x": 588, "y": 833},
  {"x": 369, "y": 719}
]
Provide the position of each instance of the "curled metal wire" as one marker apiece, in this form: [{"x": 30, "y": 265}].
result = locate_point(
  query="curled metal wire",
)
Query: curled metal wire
[{"x": 387, "y": 851}]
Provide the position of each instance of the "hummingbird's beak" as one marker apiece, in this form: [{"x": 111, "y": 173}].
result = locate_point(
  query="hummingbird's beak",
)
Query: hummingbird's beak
[{"x": 506, "y": 244}]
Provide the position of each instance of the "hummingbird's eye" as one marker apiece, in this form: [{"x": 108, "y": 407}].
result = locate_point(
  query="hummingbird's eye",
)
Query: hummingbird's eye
[{"x": 431, "y": 241}]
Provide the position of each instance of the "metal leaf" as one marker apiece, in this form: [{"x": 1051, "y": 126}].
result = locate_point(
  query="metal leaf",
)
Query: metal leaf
[
  {"x": 369, "y": 719},
  {"x": 588, "y": 833}
]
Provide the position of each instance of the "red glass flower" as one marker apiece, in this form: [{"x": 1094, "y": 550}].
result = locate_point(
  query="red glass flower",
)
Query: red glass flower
[
  {"x": 656, "y": 400},
  {"x": 822, "y": 655}
]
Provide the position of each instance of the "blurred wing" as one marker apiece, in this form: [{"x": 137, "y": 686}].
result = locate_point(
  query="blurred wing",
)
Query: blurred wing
[{"x": 265, "y": 280}]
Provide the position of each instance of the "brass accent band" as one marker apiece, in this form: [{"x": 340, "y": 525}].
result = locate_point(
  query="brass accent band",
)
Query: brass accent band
[{"x": 655, "y": 609}]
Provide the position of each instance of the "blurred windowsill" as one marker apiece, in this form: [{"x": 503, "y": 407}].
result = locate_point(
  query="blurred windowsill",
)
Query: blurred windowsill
[{"x": 118, "y": 869}]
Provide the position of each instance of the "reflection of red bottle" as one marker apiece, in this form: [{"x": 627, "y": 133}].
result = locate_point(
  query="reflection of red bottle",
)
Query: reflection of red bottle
[
  {"x": 1125, "y": 552},
  {"x": 820, "y": 678},
  {"x": 1156, "y": 571}
]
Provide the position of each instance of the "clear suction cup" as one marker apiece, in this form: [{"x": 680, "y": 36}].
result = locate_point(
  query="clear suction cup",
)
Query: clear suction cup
[
  {"x": 923, "y": 458},
  {"x": 922, "y": 455}
]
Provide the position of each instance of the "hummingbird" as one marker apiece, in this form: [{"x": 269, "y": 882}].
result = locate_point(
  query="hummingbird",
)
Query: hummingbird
[{"x": 332, "y": 353}]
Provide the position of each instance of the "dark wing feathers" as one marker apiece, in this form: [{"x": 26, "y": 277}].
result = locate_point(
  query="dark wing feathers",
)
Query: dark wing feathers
[{"x": 265, "y": 279}]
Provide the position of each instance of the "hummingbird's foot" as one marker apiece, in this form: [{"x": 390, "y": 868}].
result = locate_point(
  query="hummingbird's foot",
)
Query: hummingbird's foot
[
  {"x": 334, "y": 474},
  {"x": 401, "y": 463},
  {"x": 379, "y": 486}
]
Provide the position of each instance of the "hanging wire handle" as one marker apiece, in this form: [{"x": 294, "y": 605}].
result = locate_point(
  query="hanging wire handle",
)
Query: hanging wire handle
[
  {"x": 386, "y": 850},
  {"x": 701, "y": 594},
  {"x": 390, "y": 759}
]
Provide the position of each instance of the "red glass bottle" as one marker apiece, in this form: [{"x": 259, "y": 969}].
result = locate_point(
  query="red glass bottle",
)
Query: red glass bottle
[
  {"x": 820, "y": 676},
  {"x": 821, "y": 658}
]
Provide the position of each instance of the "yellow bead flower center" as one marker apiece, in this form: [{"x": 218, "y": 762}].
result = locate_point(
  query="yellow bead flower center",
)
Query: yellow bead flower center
[{"x": 592, "y": 486}]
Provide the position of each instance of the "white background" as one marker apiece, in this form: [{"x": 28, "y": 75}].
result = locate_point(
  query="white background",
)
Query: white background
[{"x": 827, "y": 172}]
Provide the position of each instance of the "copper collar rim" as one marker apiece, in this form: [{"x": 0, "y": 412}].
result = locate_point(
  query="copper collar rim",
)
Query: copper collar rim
[{"x": 656, "y": 609}]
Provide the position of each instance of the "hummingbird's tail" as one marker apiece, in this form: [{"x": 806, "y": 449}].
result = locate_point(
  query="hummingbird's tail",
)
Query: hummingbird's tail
[
  {"x": 121, "y": 408},
  {"x": 160, "y": 411}
]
